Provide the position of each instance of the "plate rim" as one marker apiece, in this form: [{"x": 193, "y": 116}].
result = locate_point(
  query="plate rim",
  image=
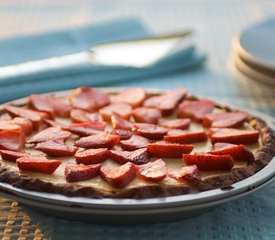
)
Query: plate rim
[
  {"x": 134, "y": 210},
  {"x": 251, "y": 73},
  {"x": 237, "y": 45},
  {"x": 240, "y": 188}
]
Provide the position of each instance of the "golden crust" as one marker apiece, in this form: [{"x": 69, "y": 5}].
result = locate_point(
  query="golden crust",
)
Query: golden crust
[{"x": 263, "y": 156}]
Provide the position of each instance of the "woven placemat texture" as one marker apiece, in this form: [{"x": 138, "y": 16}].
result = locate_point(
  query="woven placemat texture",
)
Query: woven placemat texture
[{"x": 16, "y": 223}]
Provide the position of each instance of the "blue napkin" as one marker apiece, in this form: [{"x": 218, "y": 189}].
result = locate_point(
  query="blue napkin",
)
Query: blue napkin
[{"x": 31, "y": 48}]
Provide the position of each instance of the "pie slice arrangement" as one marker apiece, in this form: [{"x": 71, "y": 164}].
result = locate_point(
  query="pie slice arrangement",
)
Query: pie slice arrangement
[{"x": 129, "y": 144}]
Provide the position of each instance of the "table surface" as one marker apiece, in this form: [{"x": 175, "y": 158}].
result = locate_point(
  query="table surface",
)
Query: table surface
[{"x": 217, "y": 22}]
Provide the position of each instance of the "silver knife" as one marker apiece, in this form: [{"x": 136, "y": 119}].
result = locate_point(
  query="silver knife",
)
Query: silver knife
[{"x": 135, "y": 53}]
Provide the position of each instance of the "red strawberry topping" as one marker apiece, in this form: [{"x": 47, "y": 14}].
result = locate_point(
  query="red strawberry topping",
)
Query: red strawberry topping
[
  {"x": 88, "y": 99},
  {"x": 92, "y": 156},
  {"x": 32, "y": 115},
  {"x": 13, "y": 140},
  {"x": 81, "y": 116},
  {"x": 119, "y": 176},
  {"x": 139, "y": 156},
  {"x": 186, "y": 137},
  {"x": 187, "y": 173},
  {"x": 209, "y": 162},
  {"x": 76, "y": 173},
  {"x": 37, "y": 164},
  {"x": 87, "y": 128},
  {"x": 168, "y": 150},
  {"x": 98, "y": 141},
  {"x": 131, "y": 96},
  {"x": 51, "y": 133},
  {"x": 196, "y": 110},
  {"x": 150, "y": 131},
  {"x": 146, "y": 115},
  {"x": 225, "y": 119},
  {"x": 152, "y": 171},
  {"x": 134, "y": 143},
  {"x": 237, "y": 152},
  {"x": 232, "y": 135},
  {"x": 12, "y": 155},
  {"x": 167, "y": 102},
  {"x": 55, "y": 148},
  {"x": 119, "y": 122},
  {"x": 176, "y": 123},
  {"x": 122, "y": 109}
]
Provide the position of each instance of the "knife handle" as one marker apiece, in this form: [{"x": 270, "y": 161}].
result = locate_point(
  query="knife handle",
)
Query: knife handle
[{"x": 45, "y": 67}]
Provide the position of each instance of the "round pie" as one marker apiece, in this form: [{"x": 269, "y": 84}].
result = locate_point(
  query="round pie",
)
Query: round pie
[{"x": 129, "y": 143}]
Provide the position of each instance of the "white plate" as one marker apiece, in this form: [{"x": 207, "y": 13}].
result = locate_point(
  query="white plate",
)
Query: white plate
[
  {"x": 121, "y": 211},
  {"x": 254, "y": 72},
  {"x": 256, "y": 44}
]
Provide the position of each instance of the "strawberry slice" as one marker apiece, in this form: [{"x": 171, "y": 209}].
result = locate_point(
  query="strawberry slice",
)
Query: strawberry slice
[
  {"x": 209, "y": 162},
  {"x": 9, "y": 125},
  {"x": 98, "y": 141},
  {"x": 92, "y": 156},
  {"x": 146, "y": 115},
  {"x": 186, "y": 137},
  {"x": 124, "y": 134},
  {"x": 168, "y": 150},
  {"x": 33, "y": 116},
  {"x": 174, "y": 131},
  {"x": 225, "y": 119},
  {"x": 131, "y": 96},
  {"x": 51, "y": 105},
  {"x": 196, "y": 110},
  {"x": 12, "y": 155},
  {"x": 61, "y": 107},
  {"x": 232, "y": 135},
  {"x": 237, "y": 152},
  {"x": 55, "y": 148},
  {"x": 76, "y": 173},
  {"x": 150, "y": 131},
  {"x": 18, "y": 123},
  {"x": 13, "y": 140},
  {"x": 24, "y": 123},
  {"x": 139, "y": 156},
  {"x": 81, "y": 116},
  {"x": 87, "y": 128},
  {"x": 46, "y": 115},
  {"x": 122, "y": 109},
  {"x": 119, "y": 122},
  {"x": 40, "y": 103},
  {"x": 167, "y": 102},
  {"x": 37, "y": 164},
  {"x": 176, "y": 123},
  {"x": 119, "y": 177},
  {"x": 88, "y": 99},
  {"x": 54, "y": 106},
  {"x": 52, "y": 123},
  {"x": 51, "y": 133},
  {"x": 134, "y": 143},
  {"x": 186, "y": 174},
  {"x": 152, "y": 171}
]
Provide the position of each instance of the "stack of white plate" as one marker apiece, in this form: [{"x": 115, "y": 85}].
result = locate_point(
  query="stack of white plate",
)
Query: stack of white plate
[{"x": 254, "y": 52}]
